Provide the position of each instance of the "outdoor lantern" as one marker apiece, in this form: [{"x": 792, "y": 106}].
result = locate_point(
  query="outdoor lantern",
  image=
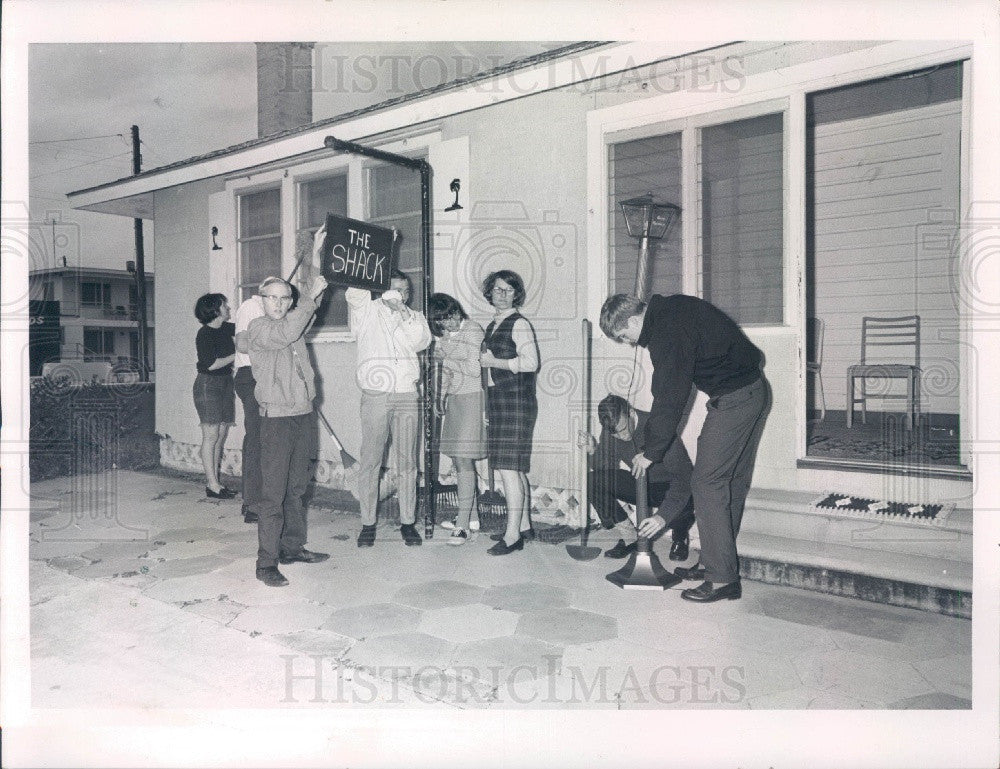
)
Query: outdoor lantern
[{"x": 647, "y": 219}]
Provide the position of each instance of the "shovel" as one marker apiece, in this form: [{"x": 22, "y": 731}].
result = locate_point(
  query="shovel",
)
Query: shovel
[{"x": 581, "y": 552}]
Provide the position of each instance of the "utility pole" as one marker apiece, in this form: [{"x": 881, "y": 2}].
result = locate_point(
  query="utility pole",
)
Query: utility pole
[{"x": 140, "y": 271}]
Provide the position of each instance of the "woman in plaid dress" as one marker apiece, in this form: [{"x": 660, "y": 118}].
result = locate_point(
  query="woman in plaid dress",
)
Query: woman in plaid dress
[{"x": 510, "y": 358}]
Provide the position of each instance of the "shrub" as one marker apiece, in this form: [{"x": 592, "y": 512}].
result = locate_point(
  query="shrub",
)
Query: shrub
[{"x": 91, "y": 428}]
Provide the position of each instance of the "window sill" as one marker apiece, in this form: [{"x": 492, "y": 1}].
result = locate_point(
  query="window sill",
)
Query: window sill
[
  {"x": 956, "y": 473},
  {"x": 325, "y": 336}
]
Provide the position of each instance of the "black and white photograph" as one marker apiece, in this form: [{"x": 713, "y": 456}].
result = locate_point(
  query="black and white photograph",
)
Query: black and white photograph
[{"x": 384, "y": 385}]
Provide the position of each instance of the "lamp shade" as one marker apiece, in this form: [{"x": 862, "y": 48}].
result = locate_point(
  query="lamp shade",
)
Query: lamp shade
[{"x": 645, "y": 217}]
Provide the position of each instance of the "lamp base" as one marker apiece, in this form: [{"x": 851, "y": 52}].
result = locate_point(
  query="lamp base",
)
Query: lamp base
[{"x": 643, "y": 571}]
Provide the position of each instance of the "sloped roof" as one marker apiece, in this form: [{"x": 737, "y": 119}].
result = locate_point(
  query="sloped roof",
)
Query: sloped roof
[{"x": 503, "y": 69}]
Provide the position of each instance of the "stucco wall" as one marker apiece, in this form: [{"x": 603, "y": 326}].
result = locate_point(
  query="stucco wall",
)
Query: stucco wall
[{"x": 182, "y": 243}]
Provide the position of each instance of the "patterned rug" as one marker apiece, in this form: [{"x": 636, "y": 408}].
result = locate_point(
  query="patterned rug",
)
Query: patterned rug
[{"x": 879, "y": 509}]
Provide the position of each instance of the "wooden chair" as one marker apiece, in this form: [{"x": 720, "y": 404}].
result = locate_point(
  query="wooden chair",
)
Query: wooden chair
[
  {"x": 814, "y": 358},
  {"x": 881, "y": 333}
]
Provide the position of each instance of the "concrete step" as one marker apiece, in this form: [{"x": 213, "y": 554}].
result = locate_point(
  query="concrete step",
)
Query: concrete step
[{"x": 785, "y": 541}]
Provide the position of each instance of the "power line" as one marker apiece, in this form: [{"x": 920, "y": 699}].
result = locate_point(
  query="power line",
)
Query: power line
[
  {"x": 78, "y": 139},
  {"x": 81, "y": 165}
]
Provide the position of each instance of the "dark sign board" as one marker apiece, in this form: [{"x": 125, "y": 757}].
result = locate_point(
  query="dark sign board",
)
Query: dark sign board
[
  {"x": 358, "y": 254},
  {"x": 43, "y": 334}
]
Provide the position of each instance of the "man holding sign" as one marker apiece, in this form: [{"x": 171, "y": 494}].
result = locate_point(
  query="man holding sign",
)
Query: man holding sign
[{"x": 389, "y": 336}]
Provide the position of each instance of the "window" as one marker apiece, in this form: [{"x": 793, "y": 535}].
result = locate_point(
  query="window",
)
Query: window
[
  {"x": 652, "y": 164},
  {"x": 317, "y": 198},
  {"x": 737, "y": 173},
  {"x": 741, "y": 199},
  {"x": 98, "y": 343},
  {"x": 95, "y": 294},
  {"x": 883, "y": 194},
  {"x": 259, "y": 238},
  {"x": 394, "y": 202}
]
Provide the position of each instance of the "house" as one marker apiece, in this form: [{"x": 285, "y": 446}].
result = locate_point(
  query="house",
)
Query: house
[
  {"x": 83, "y": 315},
  {"x": 818, "y": 180}
]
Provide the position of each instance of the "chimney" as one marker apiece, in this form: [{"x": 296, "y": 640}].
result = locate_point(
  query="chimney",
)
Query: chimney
[{"x": 284, "y": 86}]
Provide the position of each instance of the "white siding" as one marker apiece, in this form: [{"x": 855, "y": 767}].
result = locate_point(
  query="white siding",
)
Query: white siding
[{"x": 878, "y": 180}]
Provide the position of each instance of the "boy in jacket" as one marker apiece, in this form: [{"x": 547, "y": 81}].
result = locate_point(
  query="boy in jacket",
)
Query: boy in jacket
[{"x": 285, "y": 390}]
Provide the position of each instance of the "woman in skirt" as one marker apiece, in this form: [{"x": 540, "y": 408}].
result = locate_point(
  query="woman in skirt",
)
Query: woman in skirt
[
  {"x": 214, "y": 396},
  {"x": 460, "y": 400},
  {"x": 510, "y": 357}
]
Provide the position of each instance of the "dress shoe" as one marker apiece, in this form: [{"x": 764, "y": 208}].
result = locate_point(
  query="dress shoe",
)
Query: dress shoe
[
  {"x": 695, "y": 572},
  {"x": 222, "y": 493},
  {"x": 367, "y": 536},
  {"x": 410, "y": 535},
  {"x": 621, "y": 550},
  {"x": 528, "y": 535},
  {"x": 304, "y": 556},
  {"x": 706, "y": 593},
  {"x": 248, "y": 515},
  {"x": 502, "y": 548},
  {"x": 271, "y": 577},
  {"x": 679, "y": 550}
]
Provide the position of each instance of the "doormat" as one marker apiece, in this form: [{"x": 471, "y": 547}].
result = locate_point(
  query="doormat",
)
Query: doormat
[{"x": 934, "y": 513}]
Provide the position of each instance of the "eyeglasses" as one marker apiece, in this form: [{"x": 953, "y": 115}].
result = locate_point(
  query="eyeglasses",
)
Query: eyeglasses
[{"x": 497, "y": 291}]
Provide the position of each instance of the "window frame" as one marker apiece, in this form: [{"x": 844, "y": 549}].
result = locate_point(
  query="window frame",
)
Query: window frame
[
  {"x": 103, "y": 288},
  {"x": 692, "y": 264}
]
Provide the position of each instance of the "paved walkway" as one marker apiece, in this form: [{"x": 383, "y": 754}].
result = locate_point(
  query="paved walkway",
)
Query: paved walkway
[{"x": 143, "y": 595}]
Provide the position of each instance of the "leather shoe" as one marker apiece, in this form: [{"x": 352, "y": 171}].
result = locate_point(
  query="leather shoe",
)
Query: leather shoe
[
  {"x": 502, "y": 548},
  {"x": 304, "y": 556},
  {"x": 367, "y": 536},
  {"x": 620, "y": 550},
  {"x": 706, "y": 593},
  {"x": 249, "y": 516},
  {"x": 528, "y": 535},
  {"x": 222, "y": 493},
  {"x": 695, "y": 572},
  {"x": 679, "y": 550},
  {"x": 271, "y": 577},
  {"x": 410, "y": 535}
]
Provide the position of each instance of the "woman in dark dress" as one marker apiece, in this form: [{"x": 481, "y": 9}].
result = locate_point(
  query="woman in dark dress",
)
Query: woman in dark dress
[
  {"x": 214, "y": 397},
  {"x": 510, "y": 357}
]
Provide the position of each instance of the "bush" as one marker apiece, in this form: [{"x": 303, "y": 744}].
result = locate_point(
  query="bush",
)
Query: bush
[{"x": 91, "y": 428}]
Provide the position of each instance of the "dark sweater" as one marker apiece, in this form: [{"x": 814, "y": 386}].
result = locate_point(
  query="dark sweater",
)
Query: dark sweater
[
  {"x": 690, "y": 341},
  {"x": 215, "y": 343}
]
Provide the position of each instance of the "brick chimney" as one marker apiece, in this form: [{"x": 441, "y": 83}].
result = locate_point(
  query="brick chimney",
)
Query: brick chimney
[{"x": 284, "y": 86}]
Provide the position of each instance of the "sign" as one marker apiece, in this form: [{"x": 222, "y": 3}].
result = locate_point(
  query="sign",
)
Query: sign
[
  {"x": 357, "y": 254},
  {"x": 43, "y": 334}
]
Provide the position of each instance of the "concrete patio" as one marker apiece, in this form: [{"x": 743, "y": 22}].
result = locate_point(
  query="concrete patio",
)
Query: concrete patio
[{"x": 143, "y": 596}]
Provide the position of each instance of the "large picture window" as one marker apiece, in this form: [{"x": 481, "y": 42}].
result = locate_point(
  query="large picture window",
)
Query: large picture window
[{"x": 260, "y": 238}]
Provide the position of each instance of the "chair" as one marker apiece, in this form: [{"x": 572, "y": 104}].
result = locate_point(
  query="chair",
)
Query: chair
[
  {"x": 814, "y": 358},
  {"x": 880, "y": 333}
]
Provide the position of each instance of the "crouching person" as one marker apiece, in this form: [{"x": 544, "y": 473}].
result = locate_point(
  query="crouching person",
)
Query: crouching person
[{"x": 285, "y": 391}]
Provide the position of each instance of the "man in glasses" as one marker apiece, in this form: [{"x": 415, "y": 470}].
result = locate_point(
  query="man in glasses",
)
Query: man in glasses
[
  {"x": 285, "y": 390},
  {"x": 692, "y": 341}
]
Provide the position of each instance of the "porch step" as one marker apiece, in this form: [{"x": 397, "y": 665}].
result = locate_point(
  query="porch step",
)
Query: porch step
[{"x": 785, "y": 541}]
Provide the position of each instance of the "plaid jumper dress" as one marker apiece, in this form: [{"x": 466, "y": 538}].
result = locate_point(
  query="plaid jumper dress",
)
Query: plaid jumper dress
[{"x": 510, "y": 402}]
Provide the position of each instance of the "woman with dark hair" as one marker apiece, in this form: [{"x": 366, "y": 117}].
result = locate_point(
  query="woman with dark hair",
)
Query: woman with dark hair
[
  {"x": 214, "y": 396},
  {"x": 459, "y": 401},
  {"x": 510, "y": 358}
]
